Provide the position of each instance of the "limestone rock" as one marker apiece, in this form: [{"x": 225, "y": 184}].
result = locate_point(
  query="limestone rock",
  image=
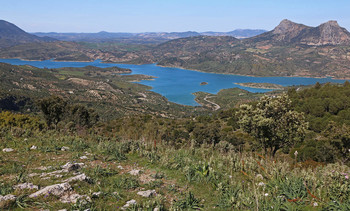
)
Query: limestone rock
[
  {"x": 84, "y": 157},
  {"x": 33, "y": 174},
  {"x": 72, "y": 166},
  {"x": 135, "y": 172},
  {"x": 147, "y": 193},
  {"x": 26, "y": 186},
  {"x": 8, "y": 197},
  {"x": 80, "y": 177},
  {"x": 74, "y": 198},
  {"x": 96, "y": 194},
  {"x": 57, "y": 190},
  {"x": 129, "y": 203},
  {"x": 7, "y": 150},
  {"x": 65, "y": 148}
]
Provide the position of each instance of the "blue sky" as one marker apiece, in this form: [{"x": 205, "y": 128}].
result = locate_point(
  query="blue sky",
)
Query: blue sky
[{"x": 168, "y": 15}]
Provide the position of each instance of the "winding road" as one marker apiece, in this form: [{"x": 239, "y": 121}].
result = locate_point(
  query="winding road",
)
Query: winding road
[{"x": 216, "y": 106}]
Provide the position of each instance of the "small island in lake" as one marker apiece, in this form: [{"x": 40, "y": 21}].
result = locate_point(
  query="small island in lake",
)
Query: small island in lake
[
  {"x": 204, "y": 83},
  {"x": 261, "y": 85}
]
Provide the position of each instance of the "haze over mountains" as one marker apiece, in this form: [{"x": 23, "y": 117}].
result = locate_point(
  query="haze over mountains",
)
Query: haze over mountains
[
  {"x": 161, "y": 36},
  {"x": 290, "y": 49}
]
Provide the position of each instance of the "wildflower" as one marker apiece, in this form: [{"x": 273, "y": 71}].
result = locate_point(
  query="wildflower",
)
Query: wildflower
[
  {"x": 266, "y": 194},
  {"x": 347, "y": 177},
  {"x": 261, "y": 184},
  {"x": 315, "y": 204},
  {"x": 296, "y": 153}
]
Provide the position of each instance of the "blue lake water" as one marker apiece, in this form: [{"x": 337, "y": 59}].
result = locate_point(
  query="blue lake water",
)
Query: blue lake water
[{"x": 176, "y": 84}]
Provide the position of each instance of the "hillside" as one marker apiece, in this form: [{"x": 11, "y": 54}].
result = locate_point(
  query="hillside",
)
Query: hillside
[
  {"x": 11, "y": 35},
  {"x": 288, "y": 50},
  {"x": 148, "y": 162},
  {"x": 104, "y": 89}
]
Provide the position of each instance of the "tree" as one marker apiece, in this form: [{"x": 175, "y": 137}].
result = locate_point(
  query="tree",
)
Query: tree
[
  {"x": 53, "y": 108},
  {"x": 273, "y": 123},
  {"x": 339, "y": 137},
  {"x": 206, "y": 133},
  {"x": 81, "y": 116}
]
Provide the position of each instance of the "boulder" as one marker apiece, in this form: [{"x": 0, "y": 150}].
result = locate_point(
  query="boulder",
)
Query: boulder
[
  {"x": 57, "y": 190},
  {"x": 80, "y": 177}
]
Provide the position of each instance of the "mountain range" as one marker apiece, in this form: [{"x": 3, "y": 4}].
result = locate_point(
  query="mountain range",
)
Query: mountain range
[
  {"x": 156, "y": 36},
  {"x": 290, "y": 49}
]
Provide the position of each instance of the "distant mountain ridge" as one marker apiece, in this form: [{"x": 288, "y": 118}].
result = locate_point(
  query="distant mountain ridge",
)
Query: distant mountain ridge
[
  {"x": 11, "y": 35},
  {"x": 164, "y": 36},
  {"x": 290, "y": 49},
  {"x": 237, "y": 33}
]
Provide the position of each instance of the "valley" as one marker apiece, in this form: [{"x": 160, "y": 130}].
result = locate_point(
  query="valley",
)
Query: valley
[
  {"x": 290, "y": 49},
  {"x": 238, "y": 120}
]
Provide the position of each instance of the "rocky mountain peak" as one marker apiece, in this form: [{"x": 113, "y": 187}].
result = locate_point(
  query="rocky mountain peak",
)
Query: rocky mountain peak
[
  {"x": 329, "y": 33},
  {"x": 331, "y": 23},
  {"x": 285, "y": 26}
]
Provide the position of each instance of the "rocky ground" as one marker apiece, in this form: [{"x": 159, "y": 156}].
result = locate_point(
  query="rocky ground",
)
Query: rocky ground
[{"x": 70, "y": 180}]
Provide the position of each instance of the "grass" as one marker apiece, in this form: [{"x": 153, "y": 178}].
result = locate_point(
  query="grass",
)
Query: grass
[{"x": 184, "y": 178}]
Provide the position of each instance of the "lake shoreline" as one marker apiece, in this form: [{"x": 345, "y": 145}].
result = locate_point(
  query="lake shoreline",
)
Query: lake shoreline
[
  {"x": 104, "y": 62},
  {"x": 178, "y": 84},
  {"x": 261, "y": 86},
  {"x": 291, "y": 76}
]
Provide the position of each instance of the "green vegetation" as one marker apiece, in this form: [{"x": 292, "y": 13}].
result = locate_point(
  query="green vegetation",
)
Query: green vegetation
[
  {"x": 184, "y": 176},
  {"x": 227, "y": 98},
  {"x": 253, "y": 154},
  {"x": 56, "y": 110},
  {"x": 273, "y": 123},
  {"x": 261, "y": 85},
  {"x": 105, "y": 90}
]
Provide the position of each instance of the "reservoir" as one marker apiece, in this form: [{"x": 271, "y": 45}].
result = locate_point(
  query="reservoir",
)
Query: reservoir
[{"x": 176, "y": 84}]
